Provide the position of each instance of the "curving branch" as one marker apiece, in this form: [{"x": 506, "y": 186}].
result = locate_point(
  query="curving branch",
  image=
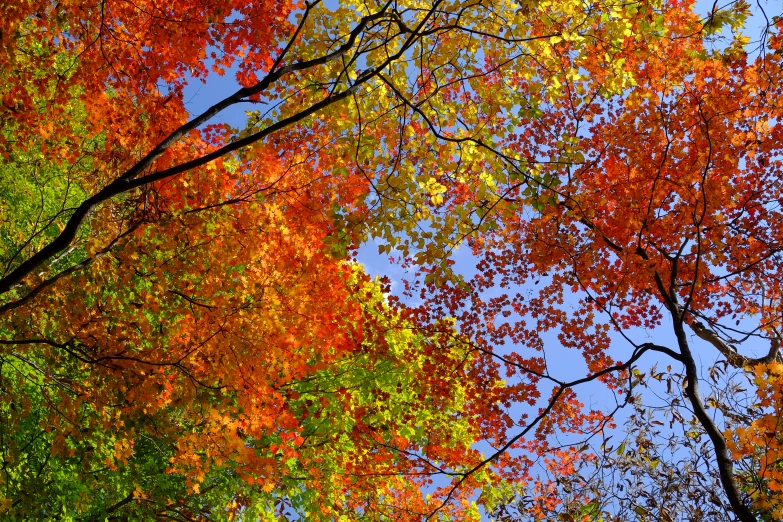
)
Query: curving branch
[
  {"x": 722, "y": 456},
  {"x": 131, "y": 180},
  {"x": 558, "y": 392},
  {"x": 728, "y": 351}
]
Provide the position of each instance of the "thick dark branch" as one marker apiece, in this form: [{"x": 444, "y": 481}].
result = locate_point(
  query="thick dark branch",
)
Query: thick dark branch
[
  {"x": 722, "y": 457},
  {"x": 129, "y": 180},
  {"x": 246, "y": 92},
  {"x": 71, "y": 269},
  {"x": 662, "y": 349},
  {"x": 118, "y": 505},
  {"x": 729, "y": 352}
]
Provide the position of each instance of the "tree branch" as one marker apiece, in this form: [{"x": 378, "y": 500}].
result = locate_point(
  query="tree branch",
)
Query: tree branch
[
  {"x": 129, "y": 180},
  {"x": 722, "y": 457}
]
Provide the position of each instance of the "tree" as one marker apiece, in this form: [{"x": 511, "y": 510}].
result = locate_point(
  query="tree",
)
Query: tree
[
  {"x": 182, "y": 302},
  {"x": 222, "y": 360},
  {"x": 669, "y": 220}
]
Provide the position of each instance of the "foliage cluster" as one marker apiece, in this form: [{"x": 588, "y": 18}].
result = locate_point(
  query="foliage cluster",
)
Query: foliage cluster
[{"x": 185, "y": 333}]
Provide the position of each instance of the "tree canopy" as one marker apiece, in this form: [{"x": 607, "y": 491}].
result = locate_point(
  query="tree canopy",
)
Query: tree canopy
[{"x": 587, "y": 199}]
